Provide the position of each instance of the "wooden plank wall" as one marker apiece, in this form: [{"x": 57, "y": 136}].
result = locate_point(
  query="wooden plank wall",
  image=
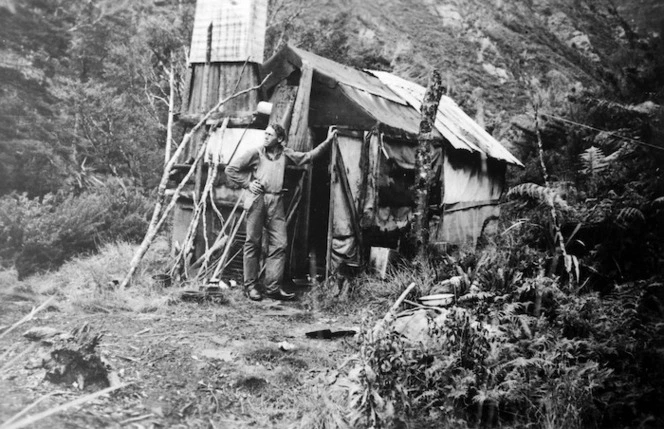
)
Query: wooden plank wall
[{"x": 222, "y": 82}]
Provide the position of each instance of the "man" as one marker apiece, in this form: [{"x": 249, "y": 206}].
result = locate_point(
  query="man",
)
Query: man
[{"x": 261, "y": 173}]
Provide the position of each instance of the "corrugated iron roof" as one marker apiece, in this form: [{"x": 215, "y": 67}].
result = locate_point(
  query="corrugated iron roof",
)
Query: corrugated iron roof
[
  {"x": 327, "y": 69},
  {"x": 396, "y": 115},
  {"x": 391, "y": 100},
  {"x": 458, "y": 128}
]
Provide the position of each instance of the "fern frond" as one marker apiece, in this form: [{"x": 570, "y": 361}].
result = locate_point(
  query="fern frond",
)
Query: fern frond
[
  {"x": 611, "y": 109},
  {"x": 613, "y": 139},
  {"x": 629, "y": 214},
  {"x": 593, "y": 161},
  {"x": 537, "y": 192}
]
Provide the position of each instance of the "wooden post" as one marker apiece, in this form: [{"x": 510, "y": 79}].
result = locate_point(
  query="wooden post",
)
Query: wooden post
[
  {"x": 300, "y": 139},
  {"x": 424, "y": 157}
]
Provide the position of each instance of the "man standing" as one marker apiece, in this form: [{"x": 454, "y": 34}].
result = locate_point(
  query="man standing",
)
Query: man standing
[{"x": 261, "y": 173}]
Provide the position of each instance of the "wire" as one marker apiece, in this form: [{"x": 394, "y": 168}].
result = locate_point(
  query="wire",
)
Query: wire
[{"x": 604, "y": 131}]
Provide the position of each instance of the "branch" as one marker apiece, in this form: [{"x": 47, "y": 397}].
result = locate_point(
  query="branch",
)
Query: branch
[
  {"x": 28, "y": 316},
  {"x": 35, "y": 418}
]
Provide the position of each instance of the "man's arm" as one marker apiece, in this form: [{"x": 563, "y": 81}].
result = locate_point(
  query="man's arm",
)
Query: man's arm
[
  {"x": 239, "y": 169},
  {"x": 302, "y": 158}
]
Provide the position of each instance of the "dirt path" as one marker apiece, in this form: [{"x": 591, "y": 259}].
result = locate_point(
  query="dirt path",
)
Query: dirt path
[{"x": 236, "y": 364}]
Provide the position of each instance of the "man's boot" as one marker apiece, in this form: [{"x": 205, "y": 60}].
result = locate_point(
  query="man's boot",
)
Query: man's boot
[{"x": 253, "y": 294}]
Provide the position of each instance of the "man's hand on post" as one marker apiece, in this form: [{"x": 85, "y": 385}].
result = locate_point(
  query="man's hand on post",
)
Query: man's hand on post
[
  {"x": 255, "y": 187},
  {"x": 332, "y": 132}
]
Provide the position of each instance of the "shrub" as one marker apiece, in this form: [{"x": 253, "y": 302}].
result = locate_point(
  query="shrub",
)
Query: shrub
[{"x": 42, "y": 233}]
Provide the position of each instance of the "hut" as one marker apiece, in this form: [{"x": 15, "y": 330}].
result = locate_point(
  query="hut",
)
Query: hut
[{"x": 358, "y": 196}]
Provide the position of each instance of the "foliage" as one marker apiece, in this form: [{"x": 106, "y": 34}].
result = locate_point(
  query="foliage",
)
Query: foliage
[
  {"x": 83, "y": 86},
  {"x": 38, "y": 234},
  {"x": 337, "y": 37},
  {"x": 538, "y": 193},
  {"x": 515, "y": 351}
]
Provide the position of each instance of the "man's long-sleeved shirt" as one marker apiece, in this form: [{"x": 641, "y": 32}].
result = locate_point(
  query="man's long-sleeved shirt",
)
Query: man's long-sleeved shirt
[{"x": 267, "y": 167}]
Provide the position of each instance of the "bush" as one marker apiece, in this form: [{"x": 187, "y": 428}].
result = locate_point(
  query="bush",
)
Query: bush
[
  {"x": 42, "y": 233},
  {"x": 518, "y": 351}
]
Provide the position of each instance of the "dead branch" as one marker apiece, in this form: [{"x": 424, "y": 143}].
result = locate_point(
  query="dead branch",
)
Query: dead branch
[
  {"x": 229, "y": 243},
  {"x": 389, "y": 316},
  {"x": 136, "y": 419},
  {"x": 27, "y": 317},
  {"x": 221, "y": 241},
  {"x": 19, "y": 356},
  {"x": 156, "y": 222},
  {"x": 29, "y": 407},
  {"x": 171, "y": 111},
  {"x": 200, "y": 210},
  {"x": 37, "y": 417}
]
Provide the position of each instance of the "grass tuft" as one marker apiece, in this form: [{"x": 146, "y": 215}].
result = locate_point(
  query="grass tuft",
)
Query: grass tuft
[{"x": 89, "y": 283}]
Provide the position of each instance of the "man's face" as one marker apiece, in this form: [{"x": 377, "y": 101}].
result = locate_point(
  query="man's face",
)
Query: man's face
[{"x": 270, "y": 137}]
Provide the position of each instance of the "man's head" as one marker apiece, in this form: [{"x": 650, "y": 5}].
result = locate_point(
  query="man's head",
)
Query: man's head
[{"x": 274, "y": 134}]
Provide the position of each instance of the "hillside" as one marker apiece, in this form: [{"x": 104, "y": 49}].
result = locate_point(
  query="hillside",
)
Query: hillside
[
  {"x": 62, "y": 58},
  {"x": 489, "y": 52}
]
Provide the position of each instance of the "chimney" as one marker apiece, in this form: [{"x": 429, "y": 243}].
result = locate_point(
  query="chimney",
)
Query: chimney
[{"x": 226, "y": 50}]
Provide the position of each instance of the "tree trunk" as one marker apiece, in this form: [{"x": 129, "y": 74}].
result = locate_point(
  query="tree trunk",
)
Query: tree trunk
[{"x": 424, "y": 157}]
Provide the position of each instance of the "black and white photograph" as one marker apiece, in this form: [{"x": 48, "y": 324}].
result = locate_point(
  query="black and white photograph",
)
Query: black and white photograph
[{"x": 332, "y": 214}]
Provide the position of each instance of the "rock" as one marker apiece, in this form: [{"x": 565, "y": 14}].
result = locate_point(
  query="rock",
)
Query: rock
[
  {"x": 286, "y": 346},
  {"x": 41, "y": 333},
  {"x": 450, "y": 16},
  {"x": 224, "y": 355},
  {"x": 500, "y": 73}
]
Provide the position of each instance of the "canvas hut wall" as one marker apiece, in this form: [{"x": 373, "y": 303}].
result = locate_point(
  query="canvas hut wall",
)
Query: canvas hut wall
[{"x": 473, "y": 186}]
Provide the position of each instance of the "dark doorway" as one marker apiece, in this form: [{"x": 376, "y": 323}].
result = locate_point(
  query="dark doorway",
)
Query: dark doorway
[{"x": 319, "y": 208}]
